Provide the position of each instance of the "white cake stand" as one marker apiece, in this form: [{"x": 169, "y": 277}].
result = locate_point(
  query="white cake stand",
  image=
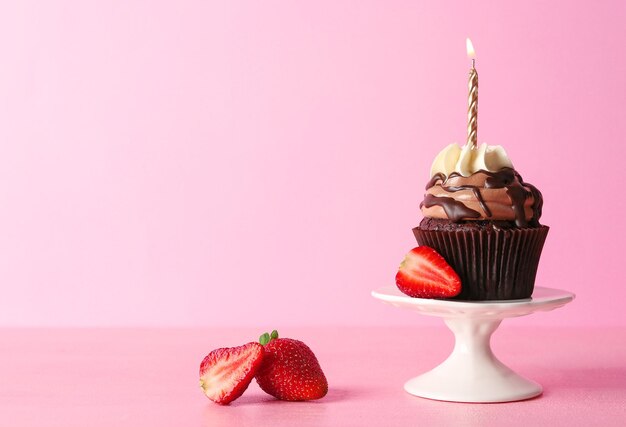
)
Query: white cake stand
[{"x": 472, "y": 373}]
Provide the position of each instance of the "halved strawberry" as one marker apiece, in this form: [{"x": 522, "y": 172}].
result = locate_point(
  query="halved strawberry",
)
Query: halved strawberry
[
  {"x": 226, "y": 373},
  {"x": 425, "y": 274}
]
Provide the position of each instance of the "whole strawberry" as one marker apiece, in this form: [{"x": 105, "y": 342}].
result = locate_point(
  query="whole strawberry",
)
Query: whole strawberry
[{"x": 290, "y": 370}]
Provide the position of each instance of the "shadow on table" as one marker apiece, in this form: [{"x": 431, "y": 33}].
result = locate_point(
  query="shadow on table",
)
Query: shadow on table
[
  {"x": 257, "y": 406},
  {"x": 334, "y": 395}
]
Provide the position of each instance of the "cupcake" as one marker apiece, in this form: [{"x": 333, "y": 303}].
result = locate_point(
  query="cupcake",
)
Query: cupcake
[{"x": 482, "y": 217}]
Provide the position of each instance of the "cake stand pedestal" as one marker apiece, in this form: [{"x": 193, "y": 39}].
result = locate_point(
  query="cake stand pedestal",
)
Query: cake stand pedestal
[{"x": 472, "y": 373}]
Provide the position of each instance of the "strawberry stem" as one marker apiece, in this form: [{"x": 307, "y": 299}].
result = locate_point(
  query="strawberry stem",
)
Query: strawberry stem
[{"x": 265, "y": 338}]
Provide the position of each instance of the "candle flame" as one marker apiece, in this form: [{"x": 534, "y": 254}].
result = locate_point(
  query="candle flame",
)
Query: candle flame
[{"x": 471, "y": 53}]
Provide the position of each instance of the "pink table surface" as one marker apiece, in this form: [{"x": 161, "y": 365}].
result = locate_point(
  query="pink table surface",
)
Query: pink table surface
[{"x": 148, "y": 377}]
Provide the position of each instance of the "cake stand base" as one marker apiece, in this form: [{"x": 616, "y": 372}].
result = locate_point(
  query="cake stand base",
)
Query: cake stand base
[{"x": 472, "y": 373}]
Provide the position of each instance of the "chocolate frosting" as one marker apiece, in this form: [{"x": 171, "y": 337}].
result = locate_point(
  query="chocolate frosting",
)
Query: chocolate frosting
[
  {"x": 452, "y": 208},
  {"x": 501, "y": 195}
]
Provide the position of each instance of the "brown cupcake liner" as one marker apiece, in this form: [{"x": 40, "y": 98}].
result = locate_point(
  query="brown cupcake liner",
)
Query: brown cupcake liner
[{"x": 492, "y": 264}]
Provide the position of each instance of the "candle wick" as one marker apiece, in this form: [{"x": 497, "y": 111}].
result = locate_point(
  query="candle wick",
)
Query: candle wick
[{"x": 473, "y": 63}]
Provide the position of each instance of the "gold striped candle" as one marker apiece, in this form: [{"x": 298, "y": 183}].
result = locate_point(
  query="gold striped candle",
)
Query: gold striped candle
[{"x": 472, "y": 110}]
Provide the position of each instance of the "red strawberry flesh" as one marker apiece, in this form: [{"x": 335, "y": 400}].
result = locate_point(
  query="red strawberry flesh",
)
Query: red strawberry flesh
[
  {"x": 425, "y": 274},
  {"x": 226, "y": 373}
]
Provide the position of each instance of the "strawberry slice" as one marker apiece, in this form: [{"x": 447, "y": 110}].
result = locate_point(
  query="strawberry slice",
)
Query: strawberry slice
[
  {"x": 425, "y": 274},
  {"x": 226, "y": 373}
]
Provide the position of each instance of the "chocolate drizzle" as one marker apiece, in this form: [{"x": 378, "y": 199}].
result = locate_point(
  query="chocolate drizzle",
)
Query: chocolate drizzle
[
  {"x": 538, "y": 198},
  {"x": 476, "y": 192},
  {"x": 436, "y": 177},
  {"x": 454, "y": 209},
  {"x": 506, "y": 178},
  {"x": 441, "y": 177}
]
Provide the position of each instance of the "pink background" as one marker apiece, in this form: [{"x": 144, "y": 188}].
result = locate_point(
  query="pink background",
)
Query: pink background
[{"x": 261, "y": 163}]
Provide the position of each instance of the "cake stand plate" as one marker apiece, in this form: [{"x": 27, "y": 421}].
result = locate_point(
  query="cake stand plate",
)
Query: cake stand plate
[{"x": 472, "y": 373}]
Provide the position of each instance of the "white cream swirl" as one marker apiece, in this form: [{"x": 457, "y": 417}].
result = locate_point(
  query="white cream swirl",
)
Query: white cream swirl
[{"x": 467, "y": 160}]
